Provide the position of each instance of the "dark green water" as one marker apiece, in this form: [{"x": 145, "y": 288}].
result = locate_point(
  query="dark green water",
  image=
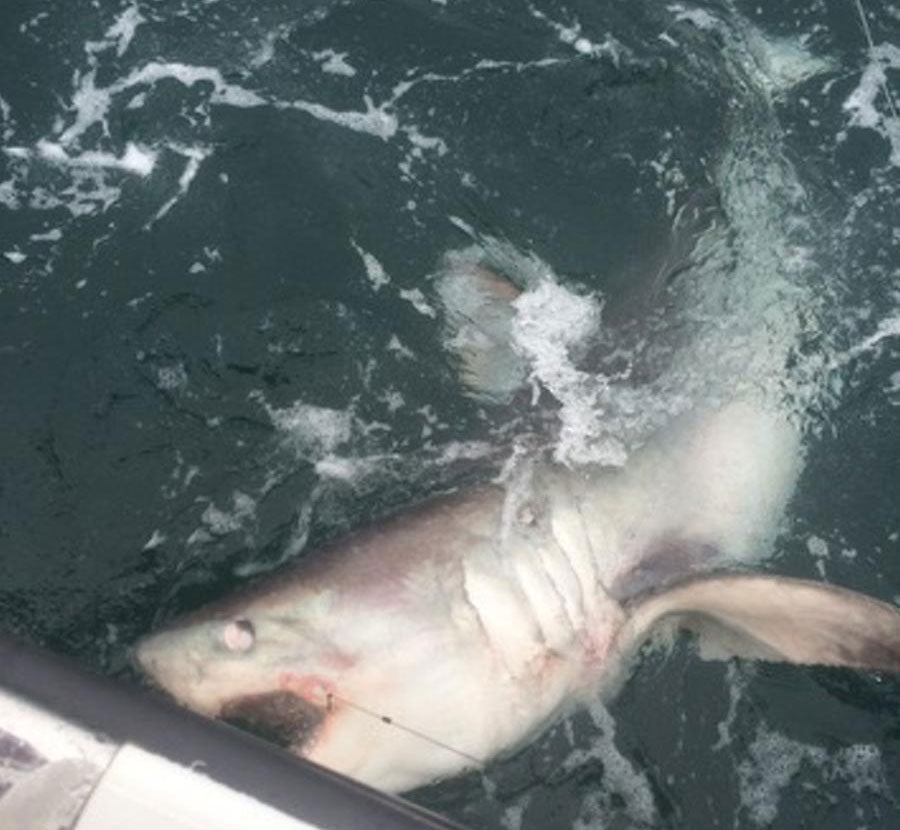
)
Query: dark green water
[{"x": 166, "y": 310}]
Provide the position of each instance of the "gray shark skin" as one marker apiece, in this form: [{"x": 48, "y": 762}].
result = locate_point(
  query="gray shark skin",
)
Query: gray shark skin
[{"x": 433, "y": 641}]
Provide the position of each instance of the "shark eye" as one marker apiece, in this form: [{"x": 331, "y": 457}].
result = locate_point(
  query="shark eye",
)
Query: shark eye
[{"x": 239, "y": 635}]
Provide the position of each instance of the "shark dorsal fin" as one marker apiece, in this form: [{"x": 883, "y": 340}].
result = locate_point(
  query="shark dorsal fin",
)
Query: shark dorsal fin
[
  {"x": 478, "y": 304},
  {"x": 775, "y": 618}
]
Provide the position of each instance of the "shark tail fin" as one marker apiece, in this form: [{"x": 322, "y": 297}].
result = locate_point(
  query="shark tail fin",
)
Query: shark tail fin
[
  {"x": 478, "y": 303},
  {"x": 776, "y": 619}
]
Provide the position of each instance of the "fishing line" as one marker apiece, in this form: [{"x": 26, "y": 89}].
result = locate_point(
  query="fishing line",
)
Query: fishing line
[
  {"x": 389, "y": 721},
  {"x": 868, "y": 35}
]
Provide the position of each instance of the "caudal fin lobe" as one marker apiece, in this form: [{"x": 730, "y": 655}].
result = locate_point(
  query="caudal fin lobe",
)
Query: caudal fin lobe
[{"x": 777, "y": 619}]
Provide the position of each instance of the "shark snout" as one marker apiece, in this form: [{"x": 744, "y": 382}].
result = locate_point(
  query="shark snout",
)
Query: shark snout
[
  {"x": 144, "y": 657},
  {"x": 171, "y": 667}
]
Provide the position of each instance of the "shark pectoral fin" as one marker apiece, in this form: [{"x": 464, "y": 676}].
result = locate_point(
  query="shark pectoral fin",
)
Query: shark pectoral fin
[{"x": 776, "y": 619}]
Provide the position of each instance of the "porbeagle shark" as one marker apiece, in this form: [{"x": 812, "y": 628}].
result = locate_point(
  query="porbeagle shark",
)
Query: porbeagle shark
[{"x": 440, "y": 638}]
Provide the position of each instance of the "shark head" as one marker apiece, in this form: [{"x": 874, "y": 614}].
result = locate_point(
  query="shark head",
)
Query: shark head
[
  {"x": 375, "y": 718},
  {"x": 252, "y": 668},
  {"x": 212, "y": 661},
  {"x": 389, "y": 679}
]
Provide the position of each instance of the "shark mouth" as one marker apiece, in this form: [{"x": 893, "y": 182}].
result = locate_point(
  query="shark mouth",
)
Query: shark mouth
[{"x": 279, "y": 717}]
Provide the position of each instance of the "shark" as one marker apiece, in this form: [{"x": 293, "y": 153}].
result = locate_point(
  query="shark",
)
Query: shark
[{"x": 453, "y": 632}]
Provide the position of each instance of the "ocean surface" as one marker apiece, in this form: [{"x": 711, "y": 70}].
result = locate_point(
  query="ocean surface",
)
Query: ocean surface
[{"x": 221, "y": 224}]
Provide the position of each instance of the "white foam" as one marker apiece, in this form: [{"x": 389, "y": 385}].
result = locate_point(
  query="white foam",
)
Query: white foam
[
  {"x": 784, "y": 62},
  {"x": 396, "y": 345},
  {"x": 460, "y": 450},
  {"x": 180, "y": 478},
  {"x": 700, "y": 18},
  {"x": 818, "y": 549},
  {"x": 236, "y": 96},
  {"x": 189, "y": 75},
  {"x": 514, "y": 813},
  {"x": 136, "y": 302},
  {"x": 374, "y": 270},
  {"x": 550, "y": 324},
  {"x": 89, "y": 193},
  {"x": 172, "y": 378},
  {"x": 573, "y": 35},
  {"x": 350, "y": 469},
  {"x": 90, "y": 106},
  {"x": 334, "y": 62},
  {"x": 392, "y": 399},
  {"x": 345, "y": 469},
  {"x": 376, "y": 121},
  {"x": 862, "y": 103},
  {"x": 157, "y": 539},
  {"x": 313, "y": 430},
  {"x": 91, "y": 103},
  {"x": 416, "y": 298},
  {"x": 817, "y": 546},
  {"x": 422, "y": 142},
  {"x": 218, "y": 522},
  {"x": 775, "y": 761},
  {"x": 887, "y": 329},
  {"x": 53, "y": 235},
  {"x": 518, "y": 66},
  {"x": 194, "y": 158},
  {"x": 6, "y": 118},
  {"x": 137, "y": 160},
  {"x": 862, "y": 766},
  {"x": 893, "y": 386},
  {"x": 267, "y": 49},
  {"x": 620, "y": 778},
  {"x": 221, "y": 522},
  {"x": 8, "y": 195},
  {"x": 737, "y": 676},
  {"x": 122, "y": 32},
  {"x": 600, "y": 418}
]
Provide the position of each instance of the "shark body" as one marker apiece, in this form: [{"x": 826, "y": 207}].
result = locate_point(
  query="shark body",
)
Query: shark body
[{"x": 440, "y": 638}]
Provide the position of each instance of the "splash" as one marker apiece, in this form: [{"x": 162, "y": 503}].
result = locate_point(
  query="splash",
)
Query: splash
[
  {"x": 94, "y": 162},
  {"x": 622, "y": 779},
  {"x": 874, "y": 86},
  {"x": 312, "y": 431},
  {"x": 776, "y": 761}
]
